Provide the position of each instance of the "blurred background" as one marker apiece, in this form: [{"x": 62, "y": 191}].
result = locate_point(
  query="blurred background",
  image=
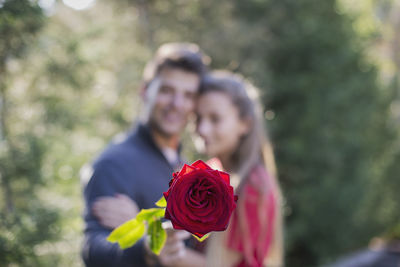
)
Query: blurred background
[{"x": 328, "y": 71}]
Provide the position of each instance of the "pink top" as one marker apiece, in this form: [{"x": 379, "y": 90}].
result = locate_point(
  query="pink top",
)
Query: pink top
[{"x": 260, "y": 210}]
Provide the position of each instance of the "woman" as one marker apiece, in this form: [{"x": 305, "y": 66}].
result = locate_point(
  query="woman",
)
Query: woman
[{"x": 230, "y": 123}]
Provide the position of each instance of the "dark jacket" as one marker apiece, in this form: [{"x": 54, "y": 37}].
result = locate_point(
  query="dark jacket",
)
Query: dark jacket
[{"x": 136, "y": 167}]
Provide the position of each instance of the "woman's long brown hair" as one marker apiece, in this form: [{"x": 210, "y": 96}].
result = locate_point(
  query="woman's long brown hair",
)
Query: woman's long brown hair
[{"x": 254, "y": 149}]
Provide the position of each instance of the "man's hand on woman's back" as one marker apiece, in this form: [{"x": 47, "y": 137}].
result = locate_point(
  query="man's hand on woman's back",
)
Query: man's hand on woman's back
[{"x": 114, "y": 211}]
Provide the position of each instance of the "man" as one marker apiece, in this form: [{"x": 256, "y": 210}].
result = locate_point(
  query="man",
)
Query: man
[{"x": 132, "y": 174}]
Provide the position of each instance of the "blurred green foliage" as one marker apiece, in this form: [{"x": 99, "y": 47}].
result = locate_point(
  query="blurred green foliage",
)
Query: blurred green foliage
[
  {"x": 25, "y": 221},
  {"x": 332, "y": 128},
  {"x": 69, "y": 82},
  {"x": 20, "y": 20}
]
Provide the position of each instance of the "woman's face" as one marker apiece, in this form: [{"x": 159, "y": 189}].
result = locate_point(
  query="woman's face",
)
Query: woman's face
[{"x": 219, "y": 124}]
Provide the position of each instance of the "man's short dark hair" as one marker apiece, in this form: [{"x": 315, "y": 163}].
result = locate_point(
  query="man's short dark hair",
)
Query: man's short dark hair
[{"x": 184, "y": 56}]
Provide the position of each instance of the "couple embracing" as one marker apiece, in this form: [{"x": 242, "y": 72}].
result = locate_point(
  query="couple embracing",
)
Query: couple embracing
[{"x": 134, "y": 171}]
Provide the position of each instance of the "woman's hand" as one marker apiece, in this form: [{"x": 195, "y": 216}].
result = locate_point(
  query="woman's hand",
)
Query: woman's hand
[
  {"x": 175, "y": 254},
  {"x": 114, "y": 211},
  {"x": 174, "y": 249}
]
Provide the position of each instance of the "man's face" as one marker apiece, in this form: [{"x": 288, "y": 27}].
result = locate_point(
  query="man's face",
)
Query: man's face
[{"x": 174, "y": 101}]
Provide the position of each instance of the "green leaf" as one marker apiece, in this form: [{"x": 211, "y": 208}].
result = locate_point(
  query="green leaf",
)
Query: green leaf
[
  {"x": 162, "y": 203},
  {"x": 158, "y": 236},
  {"x": 202, "y": 238},
  {"x": 149, "y": 214},
  {"x": 128, "y": 233},
  {"x": 122, "y": 230},
  {"x": 133, "y": 236}
]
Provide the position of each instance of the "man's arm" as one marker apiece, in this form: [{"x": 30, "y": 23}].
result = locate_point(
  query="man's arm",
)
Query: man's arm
[{"x": 97, "y": 251}]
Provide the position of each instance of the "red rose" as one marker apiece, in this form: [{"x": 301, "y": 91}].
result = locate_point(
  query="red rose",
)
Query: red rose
[{"x": 199, "y": 199}]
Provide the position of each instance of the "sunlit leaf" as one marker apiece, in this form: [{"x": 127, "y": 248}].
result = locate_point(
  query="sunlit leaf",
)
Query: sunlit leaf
[
  {"x": 202, "y": 238},
  {"x": 128, "y": 233},
  {"x": 158, "y": 236},
  {"x": 162, "y": 203},
  {"x": 122, "y": 230},
  {"x": 133, "y": 236},
  {"x": 149, "y": 214}
]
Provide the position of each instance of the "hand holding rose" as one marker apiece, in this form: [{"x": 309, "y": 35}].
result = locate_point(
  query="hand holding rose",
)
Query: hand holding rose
[{"x": 174, "y": 250}]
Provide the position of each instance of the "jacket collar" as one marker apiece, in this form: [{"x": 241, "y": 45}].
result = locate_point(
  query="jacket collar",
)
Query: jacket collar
[{"x": 143, "y": 132}]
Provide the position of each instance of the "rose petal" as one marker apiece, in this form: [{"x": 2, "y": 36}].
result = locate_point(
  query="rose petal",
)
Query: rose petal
[
  {"x": 224, "y": 176},
  {"x": 167, "y": 215},
  {"x": 201, "y": 165},
  {"x": 166, "y": 194},
  {"x": 185, "y": 170}
]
